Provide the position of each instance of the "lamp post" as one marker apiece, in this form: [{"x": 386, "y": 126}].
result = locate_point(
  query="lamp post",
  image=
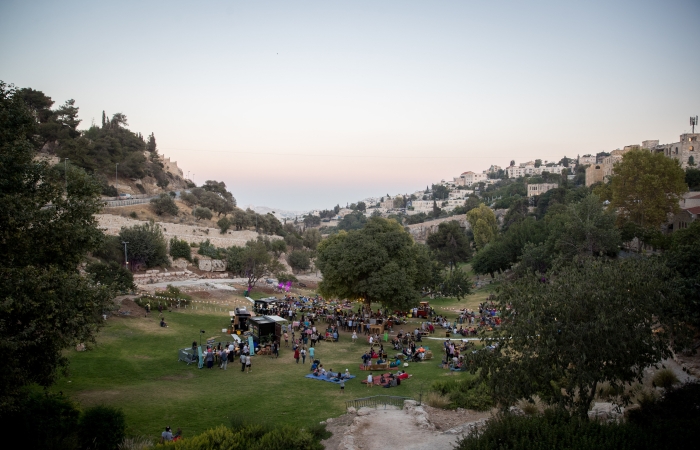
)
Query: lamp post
[
  {"x": 116, "y": 178},
  {"x": 65, "y": 172},
  {"x": 126, "y": 258}
]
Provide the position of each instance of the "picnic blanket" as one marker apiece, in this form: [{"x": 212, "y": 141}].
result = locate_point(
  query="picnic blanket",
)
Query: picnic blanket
[{"x": 330, "y": 380}]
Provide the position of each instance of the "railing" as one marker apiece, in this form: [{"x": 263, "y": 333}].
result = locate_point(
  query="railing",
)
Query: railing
[
  {"x": 131, "y": 201},
  {"x": 376, "y": 401}
]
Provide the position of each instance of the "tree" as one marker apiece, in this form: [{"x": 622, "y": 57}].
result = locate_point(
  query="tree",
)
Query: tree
[
  {"x": 471, "y": 202},
  {"x": 277, "y": 247},
  {"x": 436, "y": 210},
  {"x": 145, "y": 244},
  {"x": 179, "y": 248},
  {"x": 224, "y": 224},
  {"x": 682, "y": 258},
  {"x": 587, "y": 230},
  {"x": 361, "y": 206},
  {"x": 646, "y": 187},
  {"x": 440, "y": 192},
  {"x": 457, "y": 284},
  {"x": 379, "y": 263},
  {"x": 299, "y": 260},
  {"x": 151, "y": 144},
  {"x": 202, "y": 213},
  {"x": 593, "y": 322},
  {"x": 538, "y": 162},
  {"x": 483, "y": 224},
  {"x": 352, "y": 221},
  {"x": 46, "y": 305},
  {"x": 692, "y": 178},
  {"x": 311, "y": 238},
  {"x": 112, "y": 275},
  {"x": 164, "y": 204},
  {"x": 449, "y": 244},
  {"x": 256, "y": 262}
]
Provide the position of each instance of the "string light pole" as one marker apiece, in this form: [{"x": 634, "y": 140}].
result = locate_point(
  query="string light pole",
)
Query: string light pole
[
  {"x": 126, "y": 258},
  {"x": 116, "y": 178}
]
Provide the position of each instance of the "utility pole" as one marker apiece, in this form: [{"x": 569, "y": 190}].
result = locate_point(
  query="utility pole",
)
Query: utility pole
[
  {"x": 65, "y": 173},
  {"x": 126, "y": 259},
  {"x": 116, "y": 178}
]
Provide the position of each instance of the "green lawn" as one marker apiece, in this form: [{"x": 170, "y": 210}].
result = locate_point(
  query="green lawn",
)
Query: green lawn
[{"x": 134, "y": 366}]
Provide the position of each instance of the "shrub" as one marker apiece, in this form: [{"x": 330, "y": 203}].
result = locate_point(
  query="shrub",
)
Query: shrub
[
  {"x": 250, "y": 437},
  {"x": 665, "y": 378},
  {"x": 299, "y": 260},
  {"x": 284, "y": 277},
  {"x": 102, "y": 428},
  {"x": 188, "y": 198},
  {"x": 113, "y": 275},
  {"x": 135, "y": 443},
  {"x": 109, "y": 191},
  {"x": 180, "y": 249},
  {"x": 133, "y": 215},
  {"x": 146, "y": 244},
  {"x": 43, "y": 421},
  {"x": 201, "y": 213},
  {"x": 224, "y": 224},
  {"x": 206, "y": 248},
  {"x": 437, "y": 400},
  {"x": 468, "y": 393},
  {"x": 140, "y": 187},
  {"x": 319, "y": 432},
  {"x": 164, "y": 204}
]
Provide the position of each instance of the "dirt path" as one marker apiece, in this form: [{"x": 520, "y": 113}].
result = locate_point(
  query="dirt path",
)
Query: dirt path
[{"x": 411, "y": 428}]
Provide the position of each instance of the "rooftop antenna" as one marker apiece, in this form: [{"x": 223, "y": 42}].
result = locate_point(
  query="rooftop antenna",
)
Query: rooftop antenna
[{"x": 693, "y": 122}]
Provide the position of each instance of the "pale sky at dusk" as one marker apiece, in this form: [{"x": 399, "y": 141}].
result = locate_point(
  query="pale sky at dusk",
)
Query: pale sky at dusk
[{"x": 305, "y": 104}]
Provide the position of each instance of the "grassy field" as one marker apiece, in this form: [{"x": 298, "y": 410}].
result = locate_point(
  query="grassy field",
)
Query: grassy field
[{"x": 134, "y": 366}]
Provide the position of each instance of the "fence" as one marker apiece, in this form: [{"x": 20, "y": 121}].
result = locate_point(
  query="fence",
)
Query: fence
[
  {"x": 133, "y": 201},
  {"x": 376, "y": 401}
]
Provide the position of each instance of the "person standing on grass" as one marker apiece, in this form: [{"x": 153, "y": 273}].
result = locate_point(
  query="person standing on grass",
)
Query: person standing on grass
[
  {"x": 242, "y": 362},
  {"x": 286, "y": 339},
  {"x": 209, "y": 358},
  {"x": 354, "y": 336},
  {"x": 276, "y": 349},
  {"x": 370, "y": 380},
  {"x": 223, "y": 357},
  {"x": 296, "y": 354},
  {"x": 311, "y": 354},
  {"x": 303, "y": 355},
  {"x": 247, "y": 363},
  {"x": 342, "y": 386}
]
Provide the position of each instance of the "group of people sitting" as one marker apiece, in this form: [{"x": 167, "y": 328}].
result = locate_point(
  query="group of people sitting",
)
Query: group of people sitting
[
  {"x": 318, "y": 371},
  {"x": 386, "y": 380}
]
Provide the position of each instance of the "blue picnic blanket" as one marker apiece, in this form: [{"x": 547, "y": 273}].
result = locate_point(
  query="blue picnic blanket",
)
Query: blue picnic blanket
[{"x": 330, "y": 380}]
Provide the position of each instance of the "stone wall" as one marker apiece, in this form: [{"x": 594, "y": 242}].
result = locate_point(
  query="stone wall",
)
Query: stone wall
[{"x": 111, "y": 225}]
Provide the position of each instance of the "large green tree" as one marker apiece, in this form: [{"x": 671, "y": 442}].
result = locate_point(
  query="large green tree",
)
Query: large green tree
[
  {"x": 379, "y": 263},
  {"x": 646, "y": 187},
  {"x": 586, "y": 324},
  {"x": 483, "y": 224},
  {"x": 145, "y": 244},
  {"x": 450, "y": 244},
  {"x": 46, "y": 305}
]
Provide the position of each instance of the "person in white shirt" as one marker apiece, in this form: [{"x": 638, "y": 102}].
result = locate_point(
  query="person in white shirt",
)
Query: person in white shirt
[{"x": 370, "y": 380}]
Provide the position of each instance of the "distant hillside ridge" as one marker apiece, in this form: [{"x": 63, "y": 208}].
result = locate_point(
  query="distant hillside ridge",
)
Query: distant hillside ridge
[{"x": 122, "y": 160}]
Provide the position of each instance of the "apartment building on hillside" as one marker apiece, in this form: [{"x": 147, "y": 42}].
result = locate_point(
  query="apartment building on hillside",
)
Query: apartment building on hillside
[{"x": 539, "y": 188}]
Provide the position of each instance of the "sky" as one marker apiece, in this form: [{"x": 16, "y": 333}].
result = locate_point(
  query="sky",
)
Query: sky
[{"x": 302, "y": 105}]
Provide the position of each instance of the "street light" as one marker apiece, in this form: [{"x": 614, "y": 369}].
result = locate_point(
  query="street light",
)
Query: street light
[
  {"x": 116, "y": 178},
  {"x": 126, "y": 258}
]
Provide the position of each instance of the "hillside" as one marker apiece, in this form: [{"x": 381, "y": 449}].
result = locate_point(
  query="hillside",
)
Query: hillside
[{"x": 118, "y": 157}]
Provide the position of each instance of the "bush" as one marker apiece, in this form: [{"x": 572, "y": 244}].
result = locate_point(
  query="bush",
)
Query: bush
[
  {"x": 201, "y": 213},
  {"x": 43, "y": 421},
  {"x": 437, "y": 400},
  {"x": 206, "y": 248},
  {"x": 164, "y": 204},
  {"x": 133, "y": 215},
  {"x": 135, "y": 443},
  {"x": 109, "y": 191},
  {"x": 113, "y": 275},
  {"x": 467, "y": 393},
  {"x": 284, "y": 277},
  {"x": 188, "y": 198},
  {"x": 146, "y": 244},
  {"x": 250, "y": 437},
  {"x": 299, "y": 260},
  {"x": 180, "y": 249},
  {"x": 319, "y": 432},
  {"x": 140, "y": 187},
  {"x": 102, "y": 428},
  {"x": 224, "y": 224},
  {"x": 665, "y": 378}
]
